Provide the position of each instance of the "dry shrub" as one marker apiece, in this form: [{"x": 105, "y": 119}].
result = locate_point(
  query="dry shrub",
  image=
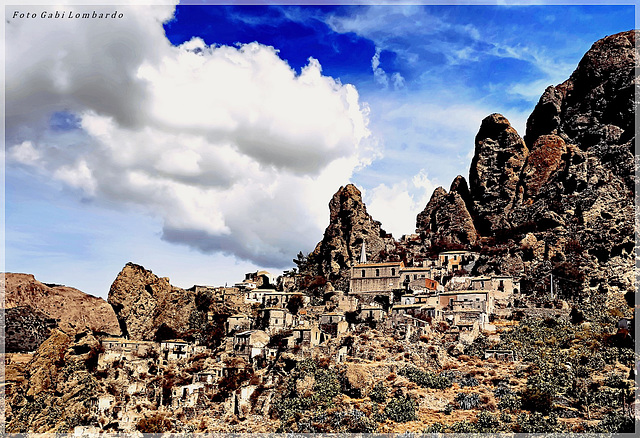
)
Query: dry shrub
[
  {"x": 391, "y": 376},
  {"x": 491, "y": 406},
  {"x": 448, "y": 366},
  {"x": 464, "y": 358},
  {"x": 491, "y": 360},
  {"x": 492, "y": 373},
  {"x": 425, "y": 339}
]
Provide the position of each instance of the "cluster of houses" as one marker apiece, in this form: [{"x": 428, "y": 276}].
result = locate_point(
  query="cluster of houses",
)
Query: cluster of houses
[{"x": 266, "y": 323}]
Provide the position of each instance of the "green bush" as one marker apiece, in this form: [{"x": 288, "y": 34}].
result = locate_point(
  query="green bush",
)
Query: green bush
[
  {"x": 401, "y": 409},
  {"x": 487, "y": 423},
  {"x": 426, "y": 379},
  {"x": 379, "y": 393}
]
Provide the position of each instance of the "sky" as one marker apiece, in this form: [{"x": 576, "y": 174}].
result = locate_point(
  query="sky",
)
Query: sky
[{"x": 205, "y": 142}]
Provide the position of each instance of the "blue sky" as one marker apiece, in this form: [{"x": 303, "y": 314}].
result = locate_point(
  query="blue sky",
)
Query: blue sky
[{"x": 210, "y": 145}]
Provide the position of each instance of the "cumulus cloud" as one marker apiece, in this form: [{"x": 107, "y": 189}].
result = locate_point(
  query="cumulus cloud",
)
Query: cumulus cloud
[
  {"x": 397, "y": 206},
  {"x": 234, "y": 150}
]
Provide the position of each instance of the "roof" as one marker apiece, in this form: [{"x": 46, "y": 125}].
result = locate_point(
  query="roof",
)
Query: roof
[
  {"x": 421, "y": 268},
  {"x": 483, "y": 278},
  {"x": 239, "y": 315},
  {"x": 456, "y": 252},
  {"x": 465, "y": 292},
  {"x": 175, "y": 341},
  {"x": 128, "y": 341},
  {"x": 247, "y": 333},
  {"x": 369, "y": 265},
  {"x": 407, "y": 306}
]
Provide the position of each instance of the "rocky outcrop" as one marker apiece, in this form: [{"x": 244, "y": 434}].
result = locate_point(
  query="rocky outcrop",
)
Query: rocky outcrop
[
  {"x": 561, "y": 199},
  {"x": 26, "y": 329},
  {"x": 495, "y": 169},
  {"x": 349, "y": 226},
  {"x": 145, "y": 303},
  {"x": 565, "y": 200},
  {"x": 65, "y": 304},
  {"x": 59, "y": 385},
  {"x": 447, "y": 217}
]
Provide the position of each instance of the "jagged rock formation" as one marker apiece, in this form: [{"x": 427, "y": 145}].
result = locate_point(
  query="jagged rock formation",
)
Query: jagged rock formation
[
  {"x": 145, "y": 303},
  {"x": 561, "y": 199},
  {"x": 447, "y": 216},
  {"x": 26, "y": 329},
  {"x": 58, "y": 387},
  {"x": 495, "y": 169},
  {"x": 349, "y": 226},
  {"x": 66, "y": 304}
]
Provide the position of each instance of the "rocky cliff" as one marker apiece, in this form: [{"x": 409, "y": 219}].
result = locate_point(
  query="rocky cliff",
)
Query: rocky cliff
[
  {"x": 66, "y": 304},
  {"x": 26, "y": 329},
  {"x": 349, "y": 226},
  {"x": 58, "y": 387},
  {"x": 559, "y": 200},
  {"x": 145, "y": 303},
  {"x": 447, "y": 217},
  {"x": 562, "y": 199}
]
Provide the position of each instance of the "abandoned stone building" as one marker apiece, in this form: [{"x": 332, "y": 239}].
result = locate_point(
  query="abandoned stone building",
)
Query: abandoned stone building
[{"x": 375, "y": 278}]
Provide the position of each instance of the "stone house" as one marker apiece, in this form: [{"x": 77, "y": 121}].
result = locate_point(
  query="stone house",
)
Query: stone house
[
  {"x": 468, "y": 299},
  {"x": 250, "y": 344},
  {"x": 342, "y": 302},
  {"x": 232, "y": 297},
  {"x": 175, "y": 349},
  {"x": 274, "y": 298},
  {"x": 125, "y": 349},
  {"x": 375, "y": 278},
  {"x": 371, "y": 313},
  {"x": 407, "y": 299},
  {"x": 238, "y": 322},
  {"x": 253, "y": 295},
  {"x": 333, "y": 323},
  {"x": 453, "y": 261},
  {"x": 186, "y": 395},
  {"x": 307, "y": 336},
  {"x": 274, "y": 319}
]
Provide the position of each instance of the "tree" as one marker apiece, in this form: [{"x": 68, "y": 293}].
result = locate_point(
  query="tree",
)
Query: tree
[{"x": 301, "y": 262}]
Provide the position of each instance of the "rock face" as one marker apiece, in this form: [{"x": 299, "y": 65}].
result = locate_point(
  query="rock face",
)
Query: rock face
[
  {"x": 59, "y": 385},
  {"x": 144, "y": 303},
  {"x": 495, "y": 169},
  {"x": 447, "y": 216},
  {"x": 349, "y": 226},
  {"x": 66, "y": 304},
  {"x": 561, "y": 199},
  {"x": 26, "y": 329}
]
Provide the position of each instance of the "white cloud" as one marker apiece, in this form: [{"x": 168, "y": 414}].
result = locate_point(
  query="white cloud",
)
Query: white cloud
[
  {"x": 397, "y": 206},
  {"x": 379, "y": 74},
  {"x": 228, "y": 145},
  {"x": 398, "y": 81}
]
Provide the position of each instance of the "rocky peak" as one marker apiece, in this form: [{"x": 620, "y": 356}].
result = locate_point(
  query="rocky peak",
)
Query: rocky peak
[
  {"x": 349, "y": 226},
  {"x": 446, "y": 218},
  {"x": 596, "y": 103},
  {"x": 495, "y": 169},
  {"x": 143, "y": 302}
]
